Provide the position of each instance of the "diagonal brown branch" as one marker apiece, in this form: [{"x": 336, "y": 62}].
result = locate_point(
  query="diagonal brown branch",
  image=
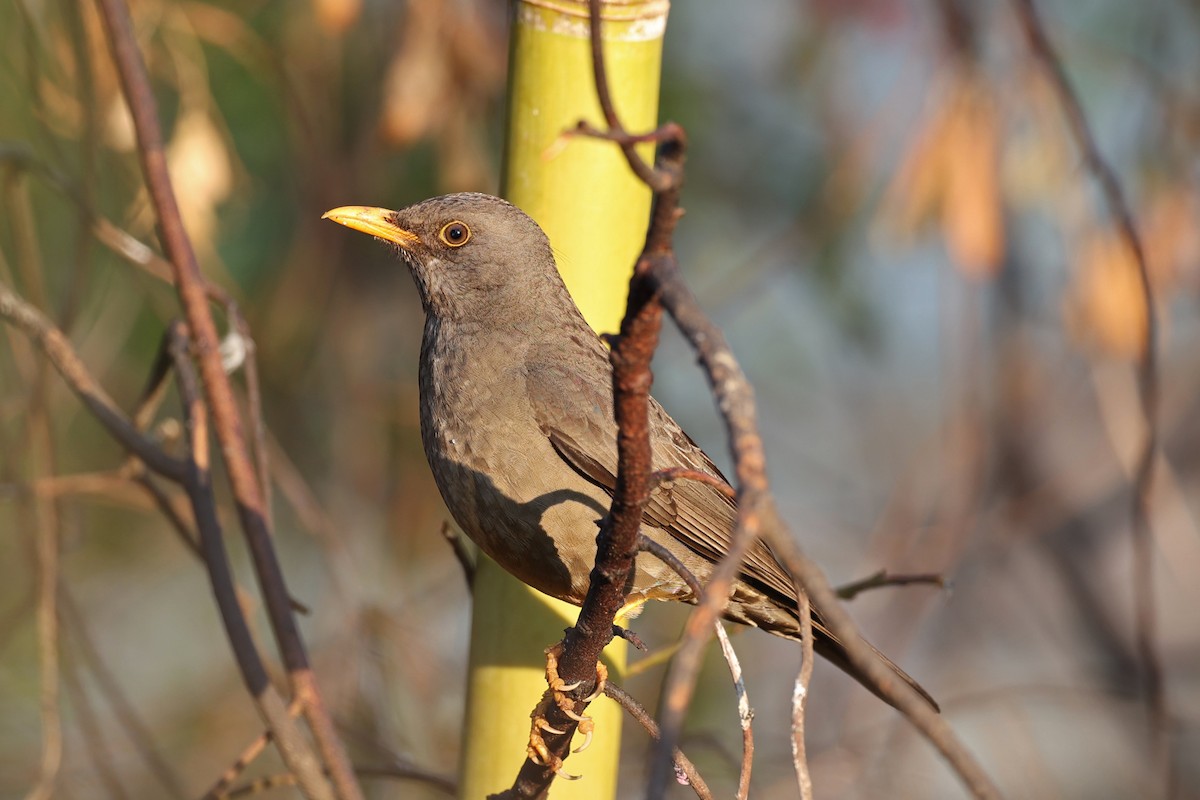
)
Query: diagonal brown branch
[
  {"x": 51, "y": 341},
  {"x": 218, "y": 393},
  {"x": 1145, "y": 614},
  {"x": 683, "y": 764},
  {"x": 295, "y": 750},
  {"x": 757, "y": 513},
  {"x": 617, "y": 543}
]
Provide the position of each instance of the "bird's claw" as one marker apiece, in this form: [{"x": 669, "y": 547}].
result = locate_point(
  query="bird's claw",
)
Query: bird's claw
[
  {"x": 570, "y": 712},
  {"x": 560, "y": 687},
  {"x": 539, "y": 754},
  {"x": 565, "y": 703},
  {"x": 541, "y": 724},
  {"x": 537, "y": 750},
  {"x": 601, "y": 683}
]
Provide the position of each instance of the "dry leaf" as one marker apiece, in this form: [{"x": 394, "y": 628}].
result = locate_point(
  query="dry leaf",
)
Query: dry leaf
[
  {"x": 336, "y": 16},
  {"x": 1171, "y": 235},
  {"x": 417, "y": 94},
  {"x": 951, "y": 175},
  {"x": 972, "y": 218},
  {"x": 1105, "y": 307},
  {"x": 201, "y": 169},
  {"x": 447, "y": 72}
]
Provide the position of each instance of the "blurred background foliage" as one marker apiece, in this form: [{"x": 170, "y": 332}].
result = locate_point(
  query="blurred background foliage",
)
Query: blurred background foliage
[{"x": 887, "y": 216}]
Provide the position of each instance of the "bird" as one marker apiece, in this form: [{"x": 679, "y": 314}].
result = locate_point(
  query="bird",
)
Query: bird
[{"x": 517, "y": 422}]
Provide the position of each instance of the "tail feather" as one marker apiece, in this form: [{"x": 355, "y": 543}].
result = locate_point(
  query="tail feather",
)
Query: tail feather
[
  {"x": 749, "y": 607},
  {"x": 833, "y": 650}
]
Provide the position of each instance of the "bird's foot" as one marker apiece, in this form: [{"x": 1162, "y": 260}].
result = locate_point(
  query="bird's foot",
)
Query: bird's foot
[
  {"x": 560, "y": 687},
  {"x": 558, "y": 694},
  {"x": 539, "y": 753}
]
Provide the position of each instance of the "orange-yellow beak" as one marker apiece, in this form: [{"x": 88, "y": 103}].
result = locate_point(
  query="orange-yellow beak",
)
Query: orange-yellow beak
[{"x": 375, "y": 221}]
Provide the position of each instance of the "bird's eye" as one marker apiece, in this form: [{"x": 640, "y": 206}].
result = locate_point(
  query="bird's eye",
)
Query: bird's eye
[{"x": 455, "y": 234}]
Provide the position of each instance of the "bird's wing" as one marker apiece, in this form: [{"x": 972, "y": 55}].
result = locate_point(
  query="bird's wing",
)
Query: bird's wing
[{"x": 573, "y": 407}]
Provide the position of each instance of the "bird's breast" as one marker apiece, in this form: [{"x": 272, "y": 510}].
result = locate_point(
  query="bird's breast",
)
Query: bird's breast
[{"x": 497, "y": 472}]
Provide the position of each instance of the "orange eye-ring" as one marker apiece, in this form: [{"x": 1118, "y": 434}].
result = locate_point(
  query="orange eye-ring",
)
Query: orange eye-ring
[{"x": 455, "y": 234}]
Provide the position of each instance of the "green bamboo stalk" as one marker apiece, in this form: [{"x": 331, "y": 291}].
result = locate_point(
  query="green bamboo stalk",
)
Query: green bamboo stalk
[{"x": 595, "y": 212}]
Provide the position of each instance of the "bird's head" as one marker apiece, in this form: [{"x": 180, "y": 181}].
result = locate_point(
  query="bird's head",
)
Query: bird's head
[{"x": 467, "y": 252}]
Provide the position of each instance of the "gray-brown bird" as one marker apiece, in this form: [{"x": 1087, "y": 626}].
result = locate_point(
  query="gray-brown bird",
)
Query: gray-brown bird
[{"x": 517, "y": 420}]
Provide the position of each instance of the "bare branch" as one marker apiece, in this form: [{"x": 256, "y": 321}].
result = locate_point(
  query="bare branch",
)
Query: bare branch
[
  {"x": 62, "y": 356},
  {"x": 617, "y": 543},
  {"x": 224, "y": 784},
  {"x": 881, "y": 579},
  {"x": 682, "y": 473},
  {"x": 465, "y": 557},
  {"x": 745, "y": 713},
  {"x": 656, "y": 279},
  {"x": 683, "y": 765},
  {"x": 1149, "y": 389},
  {"x": 248, "y": 493},
  {"x": 800, "y": 699},
  {"x": 295, "y": 750}
]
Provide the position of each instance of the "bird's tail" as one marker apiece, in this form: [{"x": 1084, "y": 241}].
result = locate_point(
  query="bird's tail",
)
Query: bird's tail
[{"x": 833, "y": 650}]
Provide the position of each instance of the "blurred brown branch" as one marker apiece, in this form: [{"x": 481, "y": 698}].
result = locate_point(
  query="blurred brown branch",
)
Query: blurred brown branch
[
  {"x": 881, "y": 579},
  {"x": 1149, "y": 390},
  {"x": 249, "y": 494}
]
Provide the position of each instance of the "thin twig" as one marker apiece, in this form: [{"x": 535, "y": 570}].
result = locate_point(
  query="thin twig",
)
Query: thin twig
[
  {"x": 294, "y": 749},
  {"x": 881, "y": 579},
  {"x": 745, "y": 713},
  {"x": 439, "y": 783},
  {"x": 62, "y": 356},
  {"x": 152, "y": 396},
  {"x": 1145, "y": 614},
  {"x": 224, "y": 784},
  {"x": 683, "y": 473},
  {"x": 46, "y": 512},
  {"x": 167, "y": 508},
  {"x": 800, "y": 699},
  {"x": 466, "y": 559},
  {"x": 683, "y": 765},
  {"x": 47, "y": 535},
  {"x": 648, "y": 175},
  {"x": 119, "y": 241}
]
